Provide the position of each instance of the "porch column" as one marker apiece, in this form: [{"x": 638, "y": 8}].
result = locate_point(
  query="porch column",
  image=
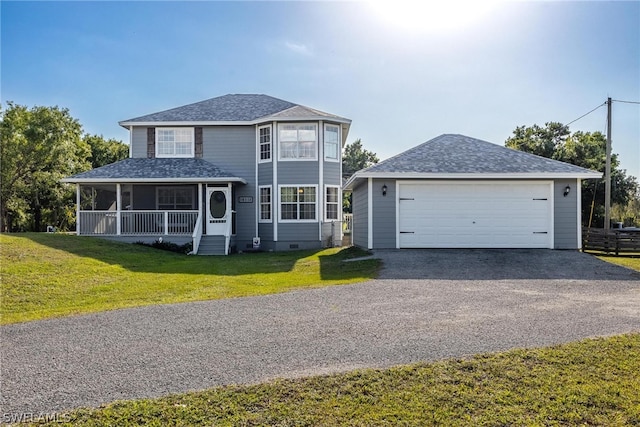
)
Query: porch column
[
  {"x": 118, "y": 208},
  {"x": 200, "y": 203},
  {"x": 77, "y": 209}
]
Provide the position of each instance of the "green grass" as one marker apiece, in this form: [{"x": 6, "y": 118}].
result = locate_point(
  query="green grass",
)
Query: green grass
[
  {"x": 592, "y": 382},
  {"x": 633, "y": 263},
  {"x": 51, "y": 275}
]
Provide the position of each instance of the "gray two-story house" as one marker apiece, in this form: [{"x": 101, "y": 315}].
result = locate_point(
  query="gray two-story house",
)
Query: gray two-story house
[{"x": 237, "y": 172}]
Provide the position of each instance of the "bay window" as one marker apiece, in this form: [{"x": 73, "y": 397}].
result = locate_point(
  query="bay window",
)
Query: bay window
[
  {"x": 297, "y": 141},
  {"x": 298, "y": 203}
]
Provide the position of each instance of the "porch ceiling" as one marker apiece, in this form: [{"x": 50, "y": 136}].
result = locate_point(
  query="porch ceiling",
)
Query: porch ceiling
[{"x": 156, "y": 170}]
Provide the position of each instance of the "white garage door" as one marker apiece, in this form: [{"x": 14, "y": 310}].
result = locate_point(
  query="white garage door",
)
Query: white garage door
[{"x": 482, "y": 214}]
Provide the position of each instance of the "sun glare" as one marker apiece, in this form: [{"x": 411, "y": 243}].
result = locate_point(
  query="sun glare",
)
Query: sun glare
[{"x": 429, "y": 16}]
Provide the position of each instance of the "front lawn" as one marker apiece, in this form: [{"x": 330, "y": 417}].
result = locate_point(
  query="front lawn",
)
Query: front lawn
[
  {"x": 50, "y": 275},
  {"x": 625, "y": 261},
  {"x": 592, "y": 382}
]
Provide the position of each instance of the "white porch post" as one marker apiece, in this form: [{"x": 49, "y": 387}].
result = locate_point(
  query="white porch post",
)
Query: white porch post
[
  {"x": 77, "y": 209},
  {"x": 370, "y": 213},
  {"x": 199, "y": 201},
  {"x": 118, "y": 209}
]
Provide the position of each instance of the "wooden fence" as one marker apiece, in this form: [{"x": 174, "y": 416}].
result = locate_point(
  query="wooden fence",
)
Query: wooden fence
[{"x": 614, "y": 241}]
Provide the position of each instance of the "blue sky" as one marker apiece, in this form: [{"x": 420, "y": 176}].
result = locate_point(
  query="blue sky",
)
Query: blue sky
[{"x": 403, "y": 76}]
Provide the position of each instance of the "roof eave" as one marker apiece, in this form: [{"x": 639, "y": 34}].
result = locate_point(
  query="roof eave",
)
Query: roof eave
[
  {"x": 127, "y": 123},
  {"x": 72, "y": 180},
  {"x": 420, "y": 175}
]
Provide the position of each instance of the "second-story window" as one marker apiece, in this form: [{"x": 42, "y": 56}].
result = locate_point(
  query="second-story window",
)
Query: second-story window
[
  {"x": 298, "y": 142},
  {"x": 264, "y": 134},
  {"x": 174, "y": 142},
  {"x": 331, "y": 144}
]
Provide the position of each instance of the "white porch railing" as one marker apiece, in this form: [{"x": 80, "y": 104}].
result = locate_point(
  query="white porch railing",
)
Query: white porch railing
[
  {"x": 347, "y": 223},
  {"x": 137, "y": 223}
]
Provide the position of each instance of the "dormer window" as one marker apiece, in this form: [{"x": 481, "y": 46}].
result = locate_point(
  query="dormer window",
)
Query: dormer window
[{"x": 174, "y": 142}]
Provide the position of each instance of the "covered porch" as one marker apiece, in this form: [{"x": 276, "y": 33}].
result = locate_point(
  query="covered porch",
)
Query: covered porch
[{"x": 116, "y": 202}]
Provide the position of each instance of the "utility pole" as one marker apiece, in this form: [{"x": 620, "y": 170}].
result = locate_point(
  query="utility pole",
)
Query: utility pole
[{"x": 607, "y": 172}]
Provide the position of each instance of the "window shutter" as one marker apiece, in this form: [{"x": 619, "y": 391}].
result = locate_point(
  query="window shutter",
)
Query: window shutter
[
  {"x": 198, "y": 142},
  {"x": 151, "y": 143}
]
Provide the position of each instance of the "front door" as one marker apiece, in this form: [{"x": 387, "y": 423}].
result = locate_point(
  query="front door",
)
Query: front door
[{"x": 218, "y": 210}]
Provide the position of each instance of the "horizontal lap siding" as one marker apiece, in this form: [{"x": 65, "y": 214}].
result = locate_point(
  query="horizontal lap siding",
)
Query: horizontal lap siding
[
  {"x": 332, "y": 173},
  {"x": 384, "y": 214},
  {"x": 298, "y": 173},
  {"x": 265, "y": 173},
  {"x": 360, "y": 209},
  {"x": 565, "y": 215},
  {"x": 298, "y": 232},
  {"x": 233, "y": 149}
]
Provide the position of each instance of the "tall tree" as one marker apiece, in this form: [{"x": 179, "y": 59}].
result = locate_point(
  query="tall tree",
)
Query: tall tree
[
  {"x": 585, "y": 149},
  {"x": 354, "y": 158},
  {"x": 38, "y": 147},
  {"x": 105, "y": 151}
]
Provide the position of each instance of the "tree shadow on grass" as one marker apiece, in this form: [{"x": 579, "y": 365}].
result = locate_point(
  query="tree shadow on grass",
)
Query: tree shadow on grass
[{"x": 139, "y": 258}]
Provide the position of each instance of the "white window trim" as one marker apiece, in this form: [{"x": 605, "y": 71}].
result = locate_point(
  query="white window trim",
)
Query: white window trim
[
  {"x": 298, "y": 159},
  {"x": 259, "y": 144},
  {"x": 270, "y": 220},
  {"x": 297, "y": 221},
  {"x": 173, "y": 187},
  {"x": 171, "y": 156},
  {"x": 338, "y": 147},
  {"x": 338, "y": 203}
]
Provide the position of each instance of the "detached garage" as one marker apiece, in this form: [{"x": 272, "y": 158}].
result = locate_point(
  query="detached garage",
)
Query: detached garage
[{"x": 460, "y": 192}]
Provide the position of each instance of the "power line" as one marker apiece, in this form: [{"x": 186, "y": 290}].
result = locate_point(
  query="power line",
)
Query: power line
[
  {"x": 586, "y": 114},
  {"x": 626, "y": 102}
]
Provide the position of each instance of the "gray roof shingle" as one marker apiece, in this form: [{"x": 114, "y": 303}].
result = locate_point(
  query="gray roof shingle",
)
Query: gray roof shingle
[
  {"x": 228, "y": 108},
  {"x": 459, "y": 154},
  {"x": 166, "y": 170}
]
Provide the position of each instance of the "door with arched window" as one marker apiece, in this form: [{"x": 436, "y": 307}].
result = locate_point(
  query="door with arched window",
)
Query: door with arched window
[{"x": 218, "y": 210}]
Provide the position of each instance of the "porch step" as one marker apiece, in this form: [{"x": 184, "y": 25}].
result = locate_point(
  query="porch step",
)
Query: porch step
[{"x": 211, "y": 245}]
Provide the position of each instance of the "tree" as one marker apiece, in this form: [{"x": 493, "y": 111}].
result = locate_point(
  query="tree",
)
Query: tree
[
  {"x": 585, "y": 149},
  {"x": 105, "y": 151},
  {"x": 354, "y": 158}
]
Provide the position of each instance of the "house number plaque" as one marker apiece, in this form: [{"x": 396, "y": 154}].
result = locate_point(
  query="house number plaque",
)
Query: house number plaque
[{"x": 245, "y": 199}]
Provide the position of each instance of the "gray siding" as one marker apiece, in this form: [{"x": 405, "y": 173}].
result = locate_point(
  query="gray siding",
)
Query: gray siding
[
  {"x": 566, "y": 214},
  {"x": 332, "y": 173},
  {"x": 265, "y": 173},
  {"x": 360, "y": 222},
  {"x": 233, "y": 148},
  {"x": 384, "y": 214},
  {"x": 294, "y": 232},
  {"x": 298, "y": 172},
  {"x": 139, "y": 142}
]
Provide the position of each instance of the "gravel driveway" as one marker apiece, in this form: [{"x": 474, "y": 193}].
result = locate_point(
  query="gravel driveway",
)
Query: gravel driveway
[{"x": 426, "y": 305}]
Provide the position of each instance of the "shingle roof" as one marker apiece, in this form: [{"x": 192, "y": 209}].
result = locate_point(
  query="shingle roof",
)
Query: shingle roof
[
  {"x": 231, "y": 108},
  {"x": 460, "y": 157},
  {"x": 154, "y": 170},
  {"x": 450, "y": 153}
]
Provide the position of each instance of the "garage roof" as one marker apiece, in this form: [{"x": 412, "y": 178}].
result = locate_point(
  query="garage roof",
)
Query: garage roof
[{"x": 460, "y": 156}]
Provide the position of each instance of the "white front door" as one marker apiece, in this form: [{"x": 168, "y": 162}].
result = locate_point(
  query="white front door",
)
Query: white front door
[{"x": 218, "y": 210}]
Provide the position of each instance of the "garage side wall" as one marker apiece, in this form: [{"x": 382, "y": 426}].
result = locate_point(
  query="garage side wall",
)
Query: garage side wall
[
  {"x": 566, "y": 214},
  {"x": 384, "y": 214},
  {"x": 360, "y": 215}
]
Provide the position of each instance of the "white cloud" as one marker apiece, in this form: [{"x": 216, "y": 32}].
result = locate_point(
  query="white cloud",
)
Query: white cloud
[{"x": 298, "y": 48}]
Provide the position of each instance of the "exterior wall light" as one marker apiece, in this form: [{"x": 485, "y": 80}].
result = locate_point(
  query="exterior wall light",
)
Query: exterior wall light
[
  {"x": 567, "y": 190},
  {"x": 384, "y": 189}
]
